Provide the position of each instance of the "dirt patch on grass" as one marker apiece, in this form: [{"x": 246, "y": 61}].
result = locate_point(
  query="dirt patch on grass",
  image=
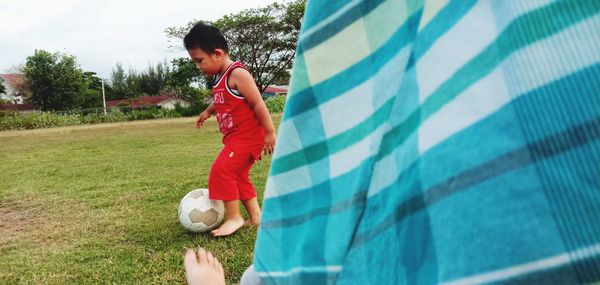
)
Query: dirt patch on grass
[
  {"x": 14, "y": 224},
  {"x": 12, "y": 220},
  {"x": 24, "y": 221}
]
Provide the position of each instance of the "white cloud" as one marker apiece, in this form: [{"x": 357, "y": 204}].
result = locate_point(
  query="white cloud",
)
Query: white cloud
[
  {"x": 102, "y": 33},
  {"x": 17, "y": 17}
]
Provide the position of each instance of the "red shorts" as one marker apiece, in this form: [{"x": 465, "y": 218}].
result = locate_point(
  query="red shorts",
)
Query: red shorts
[{"x": 229, "y": 176}]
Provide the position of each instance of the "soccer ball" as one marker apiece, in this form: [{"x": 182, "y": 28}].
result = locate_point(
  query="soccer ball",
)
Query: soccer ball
[{"x": 197, "y": 213}]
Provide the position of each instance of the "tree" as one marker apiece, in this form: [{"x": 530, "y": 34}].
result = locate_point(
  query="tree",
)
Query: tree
[
  {"x": 263, "y": 38},
  {"x": 184, "y": 73},
  {"x": 92, "y": 80},
  {"x": 92, "y": 96},
  {"x": 134, "y": 84},
  {"x": 55, "y": 80},
  {"x": 153, "y": 80},
  {"x": 118, "y": 83},
  {"x": 2, "y": 89}
]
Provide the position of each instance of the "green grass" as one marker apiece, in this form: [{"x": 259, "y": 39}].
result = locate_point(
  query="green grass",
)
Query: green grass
[{"x": 98, "y": 204}]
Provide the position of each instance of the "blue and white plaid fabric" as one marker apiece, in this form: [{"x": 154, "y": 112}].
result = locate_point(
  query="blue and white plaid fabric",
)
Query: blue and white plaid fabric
[{"x": 427, "y": 142}]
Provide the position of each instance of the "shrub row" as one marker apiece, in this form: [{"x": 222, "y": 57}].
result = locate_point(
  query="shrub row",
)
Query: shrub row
[{"x": 14, "y": 121}]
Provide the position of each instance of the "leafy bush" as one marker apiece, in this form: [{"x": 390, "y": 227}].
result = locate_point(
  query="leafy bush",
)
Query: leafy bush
[
  {"x": 15, "y": 121},
  {"x": 112, "y": 115},
  {"x": 275, "y": 104},
  {"x": 194, "y": 110},
  {"x": 141, "y": 114},
  {"x": 49, "y": 120},
  {"x": 165, "y": 113},
  {"x": 11, "y": 121},
  {"x": 151, "y": 113},
  {"x": 8, "y": 113}
]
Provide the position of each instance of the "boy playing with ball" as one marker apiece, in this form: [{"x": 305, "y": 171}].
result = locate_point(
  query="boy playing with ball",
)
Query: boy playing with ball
[{"x": 243, "y": 120}]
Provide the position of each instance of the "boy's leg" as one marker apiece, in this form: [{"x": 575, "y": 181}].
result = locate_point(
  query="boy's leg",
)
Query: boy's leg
[
  {"x": 248, "y": 194},
  {"x": 253, "y": 210},
  {"x": 222, "y": 185},
  {"x": 233, "y": 219}
]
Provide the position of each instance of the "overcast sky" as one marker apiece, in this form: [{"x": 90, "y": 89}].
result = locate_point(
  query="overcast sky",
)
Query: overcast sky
[{"x": 103, "y": 32}]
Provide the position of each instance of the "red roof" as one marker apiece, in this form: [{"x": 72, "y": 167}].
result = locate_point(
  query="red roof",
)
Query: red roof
[
  {"x": 139, "y": 102},
  {"x": 17, "y": 107},
  {"x": 13, "y": 79},
  {"x": 275, "y": 90}
]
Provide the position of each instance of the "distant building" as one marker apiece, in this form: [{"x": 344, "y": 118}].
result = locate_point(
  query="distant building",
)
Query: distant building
[
  {"x": 273, "y": 91},
  {"x": 164, "y": 102},
  {"x": 11, "y": 83}
]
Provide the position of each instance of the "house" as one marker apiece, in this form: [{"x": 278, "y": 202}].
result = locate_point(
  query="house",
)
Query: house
[
  {"x": 23, "y": 109},
  {"x": 273, "y": 91},
  {"x": 13, "y": 84},
  {"x": 165, "y": 102}
]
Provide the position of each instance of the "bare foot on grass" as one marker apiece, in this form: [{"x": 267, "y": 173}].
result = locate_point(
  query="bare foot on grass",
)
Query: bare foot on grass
[
  {"x": 229, "y": 227},
  {"x": 202, "y": 268}
]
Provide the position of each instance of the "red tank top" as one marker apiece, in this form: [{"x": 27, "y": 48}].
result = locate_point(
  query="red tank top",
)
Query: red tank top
[{"x": 237, "y": 121}]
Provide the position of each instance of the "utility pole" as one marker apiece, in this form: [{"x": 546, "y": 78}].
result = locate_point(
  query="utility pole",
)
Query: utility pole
[{"x": 103, "y": 97}]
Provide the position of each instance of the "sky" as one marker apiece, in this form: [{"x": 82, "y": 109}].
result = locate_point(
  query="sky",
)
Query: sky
[{"x": 102, "y": 33}]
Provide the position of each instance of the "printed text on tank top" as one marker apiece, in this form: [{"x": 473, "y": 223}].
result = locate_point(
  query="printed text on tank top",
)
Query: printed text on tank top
[{"x": 237, "y": 121}]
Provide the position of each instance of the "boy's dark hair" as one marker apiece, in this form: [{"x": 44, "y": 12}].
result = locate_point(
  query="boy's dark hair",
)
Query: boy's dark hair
[{"x": 206, "y": 37}]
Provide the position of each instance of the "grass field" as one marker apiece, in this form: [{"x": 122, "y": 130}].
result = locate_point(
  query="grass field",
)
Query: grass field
[{"x": 98, "y": 204}]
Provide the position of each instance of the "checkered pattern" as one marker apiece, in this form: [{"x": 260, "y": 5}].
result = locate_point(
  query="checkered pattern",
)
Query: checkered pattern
[{"x": 439, "y": 141}]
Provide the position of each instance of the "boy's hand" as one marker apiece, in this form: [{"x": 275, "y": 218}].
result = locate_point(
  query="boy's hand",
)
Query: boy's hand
[
  {"x": 203, "y": 116},
  {"x": 269, "y": 143}
]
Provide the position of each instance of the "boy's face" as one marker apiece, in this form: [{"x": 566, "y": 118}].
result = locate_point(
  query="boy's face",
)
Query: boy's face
[{"x": 207, "y": 63}]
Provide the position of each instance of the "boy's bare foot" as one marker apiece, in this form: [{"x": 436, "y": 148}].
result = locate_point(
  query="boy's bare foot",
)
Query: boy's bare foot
[
  {"x": 202, "y": 268},
  {"x": 229, "y": 227}
]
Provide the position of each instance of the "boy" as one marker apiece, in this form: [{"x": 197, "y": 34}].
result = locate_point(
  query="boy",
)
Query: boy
[{"x": 243, "y": 120}]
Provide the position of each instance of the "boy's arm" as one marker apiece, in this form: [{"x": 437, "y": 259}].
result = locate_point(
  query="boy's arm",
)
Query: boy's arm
[
  {"x": 242, "y": 80},
  {"x": 205, "y": 115}
]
